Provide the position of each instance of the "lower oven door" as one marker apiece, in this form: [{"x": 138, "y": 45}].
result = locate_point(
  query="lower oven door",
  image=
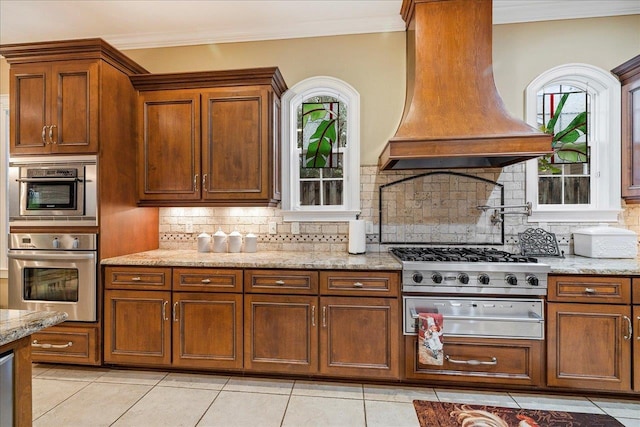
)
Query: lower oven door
[
  {"x": 54, "y": 281},
  {"x": 479, "y": 317}
]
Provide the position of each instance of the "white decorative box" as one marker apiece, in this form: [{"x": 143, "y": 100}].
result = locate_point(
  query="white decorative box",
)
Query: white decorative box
[{"x": 605, "y": 242}]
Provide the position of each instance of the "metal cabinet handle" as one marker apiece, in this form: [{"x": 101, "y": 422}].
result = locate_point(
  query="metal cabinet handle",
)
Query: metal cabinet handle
[
  {"x": 205, "y": 281},
  {"x": 279, "y": 282},
  {"x": 164, "y": 310},
  {"x": 324, "y": 316},
  {"x": 358, "y": 285},
  {"x": 136, "y": 279},
  {"x": 313, "y": 315},
  {"x": 629, "y": 334},
  {"x": 204, "y": 182},
  {"x": 51, "y": 140},
  {"x": 589, "y": 291},
  {"x": 195, "y": 182},
  {"x": 35, "y": 343},
  {"x": 474, "y": 362},
  {"x": 175, "y": 310},
  {"x": 44, "y": 134}
]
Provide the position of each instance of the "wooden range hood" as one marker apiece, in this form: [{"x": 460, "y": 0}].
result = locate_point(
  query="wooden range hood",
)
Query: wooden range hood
[{"x": 453, "y": 116}]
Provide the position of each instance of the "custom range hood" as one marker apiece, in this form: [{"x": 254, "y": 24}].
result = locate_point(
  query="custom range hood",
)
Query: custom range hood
[{"x": 453, "y": 116}]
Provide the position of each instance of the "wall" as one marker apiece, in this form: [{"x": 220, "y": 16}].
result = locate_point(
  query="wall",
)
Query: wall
[{"x": 374, "y": 65}]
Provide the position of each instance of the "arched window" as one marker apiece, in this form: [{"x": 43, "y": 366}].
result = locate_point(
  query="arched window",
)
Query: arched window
[
  {"x": 580, "y": 182},
  {"x": 321, "y": 151}
]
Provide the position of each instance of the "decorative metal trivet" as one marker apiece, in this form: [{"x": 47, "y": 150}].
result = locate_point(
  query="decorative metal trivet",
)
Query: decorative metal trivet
[{"x": 538, "y": 242}]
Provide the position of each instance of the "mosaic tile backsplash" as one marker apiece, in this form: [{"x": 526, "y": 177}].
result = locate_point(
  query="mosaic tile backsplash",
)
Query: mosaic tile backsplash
[{"x": 179, "y": 227}]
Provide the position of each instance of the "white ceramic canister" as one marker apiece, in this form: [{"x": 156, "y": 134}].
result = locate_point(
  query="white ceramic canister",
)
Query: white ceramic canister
[
  {"x": 235, "y": 241},
  {"x": 204, "y": 242},
  {"x": 219, "y": 241},
  {"x": 250, "y": 243}
]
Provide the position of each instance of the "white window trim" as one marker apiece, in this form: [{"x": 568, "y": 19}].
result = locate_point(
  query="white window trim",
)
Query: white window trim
[
  {"x": 291, "y": 210},
  {"x": 4, "y": 163},
  {"x": 604, "y": 90}
]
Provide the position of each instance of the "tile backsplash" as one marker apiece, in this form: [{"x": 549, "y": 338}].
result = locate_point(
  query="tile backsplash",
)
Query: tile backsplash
[{"x": 179, "y": 227}]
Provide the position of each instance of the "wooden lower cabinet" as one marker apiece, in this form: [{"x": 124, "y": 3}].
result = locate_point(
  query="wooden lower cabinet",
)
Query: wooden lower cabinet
[
  {"x": 589, "y": 346},
  {"x": 137, "y": 327},
  {"x": 207, "y": 330},
  {"x": 636, "y": 348},
  {"x": 67, "y": 343},
  {"x": 281, "y": 333},
  {"x": 480, "y": 360},
  {"x": 359, "y": 337}
]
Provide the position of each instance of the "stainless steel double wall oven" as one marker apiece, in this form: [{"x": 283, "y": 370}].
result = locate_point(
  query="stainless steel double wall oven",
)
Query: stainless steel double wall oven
[{"x": 51, "y": 267}]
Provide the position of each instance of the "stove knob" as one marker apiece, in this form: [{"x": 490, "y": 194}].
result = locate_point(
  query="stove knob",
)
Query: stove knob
[
  {"x": 436, "y": 277},
  {"x": 511, "y": 279},
  {"x": 417, "y": 277},
  {"x": 55, "y": 243},
  {"x": 484, "y": 279},
  {"x": 532, "y": 280},
  {"x": 463, "y": 278}
]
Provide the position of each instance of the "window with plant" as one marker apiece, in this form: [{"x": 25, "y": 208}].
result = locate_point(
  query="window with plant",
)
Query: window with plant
[
  {"x": 322, "y": 138},
  {"x": 565, "y": 175}
]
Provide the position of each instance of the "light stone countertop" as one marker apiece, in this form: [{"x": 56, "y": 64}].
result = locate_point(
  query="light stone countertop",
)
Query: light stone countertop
[
  {"x": 265, "y": 259},
  {"x": 16, "y": 324},
  {"x": 571, "y": 264}
]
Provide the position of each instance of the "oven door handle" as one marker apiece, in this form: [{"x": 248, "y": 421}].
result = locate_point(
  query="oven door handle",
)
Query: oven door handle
[
  {"x": 49, "y": 180},
  {"x": 533, "y": 317},
  {"x": 55, "y": 256}
]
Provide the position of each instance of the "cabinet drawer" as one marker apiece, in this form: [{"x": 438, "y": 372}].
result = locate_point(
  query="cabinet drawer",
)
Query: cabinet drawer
[
  {"x": 281, "y": 281},
  {"x": 361, "y": 283},
  {"x": 62, "y": 344},
  {"x": 517, "y": 362},
  {"x": 610, "y": 290},
  {"x": 207, "y": 280},
  {"x": 138, "y": 278}
]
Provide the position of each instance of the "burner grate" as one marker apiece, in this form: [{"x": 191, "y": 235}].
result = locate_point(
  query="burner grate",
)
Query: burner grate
[{"x": 442, "y": 254}]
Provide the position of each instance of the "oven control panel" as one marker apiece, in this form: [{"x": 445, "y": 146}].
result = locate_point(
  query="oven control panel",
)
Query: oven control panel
[{"x": 52, "y": 242}]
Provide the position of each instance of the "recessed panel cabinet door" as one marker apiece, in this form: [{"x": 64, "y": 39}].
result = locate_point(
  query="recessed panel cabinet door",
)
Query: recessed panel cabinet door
[
  {"x": 281, "y": 333},
  {"x": 169, "y": 151},
  {"x": 207, "y": 330},
  {"x": 359, "y": 337},
  {"x": 589, "y": 346},
  {"x": 235, "y": 148},
  {"x": 636, "y": 347},
  {"x": 54, "y": 107},
  {"x": 137, "y": 327}
]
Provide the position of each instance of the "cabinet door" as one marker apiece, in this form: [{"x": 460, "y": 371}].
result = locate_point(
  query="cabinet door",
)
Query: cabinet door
[
  {"x": 359, "y": 337},
  {"x": 74, "y": 109},
  {"x": 636, "y": 347},
  {"x": 235, "y": 144},
  {"x": 207, "y": 330},
  {"x": 169, "y": 147},
  {"x": 281, "y": 333},
  {"x": 29, "y": 109},
  {"x": 588, "y": 346},
  {"x": 137, "y": 327},
  {"x": 631, "y": 141}
]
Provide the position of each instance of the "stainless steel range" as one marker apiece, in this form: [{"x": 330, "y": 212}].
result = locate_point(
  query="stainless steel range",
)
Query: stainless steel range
[{"x": 480, "y": 292}]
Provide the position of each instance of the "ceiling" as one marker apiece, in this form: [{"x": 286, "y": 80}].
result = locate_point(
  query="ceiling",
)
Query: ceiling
[{"x": 129, "y": 24}]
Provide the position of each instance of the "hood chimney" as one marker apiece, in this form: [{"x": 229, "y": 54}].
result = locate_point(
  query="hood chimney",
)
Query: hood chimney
[{"x": 453, "y": 116}]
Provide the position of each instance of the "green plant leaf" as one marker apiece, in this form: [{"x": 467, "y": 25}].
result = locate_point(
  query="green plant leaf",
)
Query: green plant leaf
[
  {"x": 313, "y": 112},
  {"x": 578, "y": 124},
  {"x": 556, "y": 115},
  {"x": 320, "y": 144}
]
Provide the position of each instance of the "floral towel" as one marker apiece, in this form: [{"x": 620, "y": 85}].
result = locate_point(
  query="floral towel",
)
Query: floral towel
[{"x": 430, "y": 339}]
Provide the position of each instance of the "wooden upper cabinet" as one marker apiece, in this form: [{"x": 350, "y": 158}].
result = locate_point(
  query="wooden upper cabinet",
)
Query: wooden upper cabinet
[
  {"x": 169, "y": 149},
  {"x": 210, "y": 138},
  {"x": 629, "y": 74},
  {"x": 54, "y": 107}
]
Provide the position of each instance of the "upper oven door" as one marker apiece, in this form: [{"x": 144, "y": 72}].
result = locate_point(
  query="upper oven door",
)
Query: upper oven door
[
  {"x": 50, "y": 190},
  {"x": 54, "y": 281}
]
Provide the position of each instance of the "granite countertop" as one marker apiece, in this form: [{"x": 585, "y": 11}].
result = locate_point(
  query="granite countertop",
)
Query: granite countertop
[
  {"x": 16, "y": 324},
  {"x": 265, "y": 259},
  {"x": 571, "y": 264}
]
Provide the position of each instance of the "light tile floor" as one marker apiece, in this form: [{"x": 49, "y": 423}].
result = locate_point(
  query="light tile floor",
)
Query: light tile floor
[{"x": 75, "y": 396}]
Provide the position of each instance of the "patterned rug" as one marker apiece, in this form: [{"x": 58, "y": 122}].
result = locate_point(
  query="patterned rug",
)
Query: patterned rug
[{"x": 442, "y": 414}]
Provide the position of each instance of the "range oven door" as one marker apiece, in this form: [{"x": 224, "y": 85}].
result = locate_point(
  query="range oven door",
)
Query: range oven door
[
  {"x": 54, "y": 281},
  {"x": 479, "y": 317}
]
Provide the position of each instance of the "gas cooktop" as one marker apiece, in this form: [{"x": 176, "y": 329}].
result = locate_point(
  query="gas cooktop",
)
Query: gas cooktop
[{"x": 445, "y": 254}]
